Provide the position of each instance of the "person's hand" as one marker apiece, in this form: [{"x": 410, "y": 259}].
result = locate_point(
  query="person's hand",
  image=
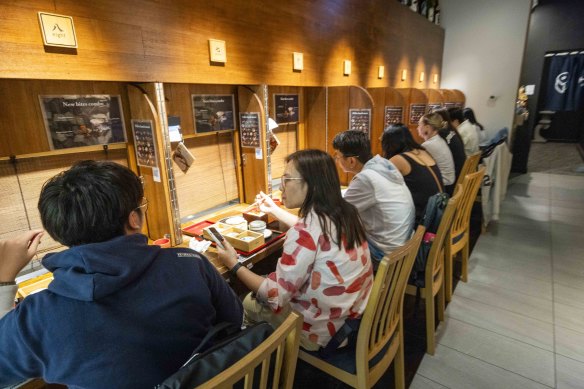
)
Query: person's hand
[
  {"x": 227, "y": 256},
  {"x": 16, "y": 253},
  {"x": 265, "y": 203}
]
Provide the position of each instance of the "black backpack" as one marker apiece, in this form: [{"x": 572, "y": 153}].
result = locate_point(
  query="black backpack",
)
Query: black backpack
[
  {"x": 207, "y": 362},
  {"x": 432, "y": 216}
]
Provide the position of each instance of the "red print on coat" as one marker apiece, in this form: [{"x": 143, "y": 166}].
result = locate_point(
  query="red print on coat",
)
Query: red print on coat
[
  {"x": 315, "y": 281},
  {"x": 357, "y": 284},
  {"x": 324, "y": 242},
  {"x": 299, "y": 226},
  {"x": 273, "y": 292},
  {"x": 334, "y": 291},
  {"x": 333, "y": 268},
  {"x": 290, "y": 287},
  {"x": 306, "y": 326},
  {"x": 331, "y": 328},
  {"x": 288, "y": 259},
  {"x": 335, "y": 313},
  {"x": 313, "y": 338},
  {"x": 318, "y": 310},
  {"x": 305, "y": 240},
  {"x": 364, "y": 259},
  {"x": 303, "y": 303}
]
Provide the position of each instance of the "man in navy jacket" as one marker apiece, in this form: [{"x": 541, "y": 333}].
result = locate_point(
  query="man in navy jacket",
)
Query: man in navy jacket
[{"x": 119, "y": 313}]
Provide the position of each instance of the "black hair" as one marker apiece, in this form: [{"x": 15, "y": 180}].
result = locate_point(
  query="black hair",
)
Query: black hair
[
  {"x": 90, "y": 202},
  {"x": 456, "y": 114},
  {"x": 323, "y": 197},
  {"x": 469, "y": 115},
  {"x": 445, "y": 114},
  {"x": 397, "y": 139},
  {"x": 353, "y": 144}
]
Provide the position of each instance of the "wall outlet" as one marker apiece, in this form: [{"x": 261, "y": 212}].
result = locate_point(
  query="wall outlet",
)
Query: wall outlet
[
  {"x": 217, "y": 51},
  {"x": 298, "y": 61},
  {"x": 347, "y": 67}
]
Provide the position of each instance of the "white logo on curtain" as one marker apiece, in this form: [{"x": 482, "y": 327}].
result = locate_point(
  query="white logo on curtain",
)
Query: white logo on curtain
[{"x": 561, "y": 83}]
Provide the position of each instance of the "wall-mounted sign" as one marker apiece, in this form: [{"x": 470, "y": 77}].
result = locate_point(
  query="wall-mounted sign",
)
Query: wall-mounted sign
[
  {"x": 434, "y": 106},
  {"x": 144, "y": 143},
  {"x": 360, "y": 120},
  {"x": 249, "y": 124},
  {"x": 449, "y": 105},
  {"x": 416, "y": 112},
  {"x": 286, "y": 108},
  {"x": 213, "y": 112},
  {"x": 393, "y": 115},
  {"x": 57, "y": 30},
  {"x": 85, "y": 120}
]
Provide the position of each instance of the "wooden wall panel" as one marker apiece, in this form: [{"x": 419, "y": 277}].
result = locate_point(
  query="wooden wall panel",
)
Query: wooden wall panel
[
  {"x": 314, "y": 109},
  {"x": 383, "y": 97},
  {"x": 21, "y": 122},
  {"x": 142, "y": 40},
  {"x": 412, "y": 96},
  {"x": 434, "y": 97},
  {"x": 448, "y": 95},
  {"x": 459, "y": 97}
]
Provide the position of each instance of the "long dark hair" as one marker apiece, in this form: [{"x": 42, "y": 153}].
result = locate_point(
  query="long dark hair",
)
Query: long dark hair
[
  {"x": 445, "y": 115},
  {"x": 324, "y": 198},
  {"x": 397, "y": 139},
  {"x": 469, "y": 115}
]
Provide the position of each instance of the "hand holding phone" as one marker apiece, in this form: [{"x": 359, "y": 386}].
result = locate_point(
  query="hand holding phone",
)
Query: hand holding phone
[{"x": 217, "y": 237}]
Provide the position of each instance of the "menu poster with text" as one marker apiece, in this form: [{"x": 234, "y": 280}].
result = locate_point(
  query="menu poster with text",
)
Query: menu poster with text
[
  {"x": 213, "y": 112},
  {"x": 144, "y": 143},
  {"x": 249, "y": 124},
  {"x": 416, "y": 112},
  {"x": 393, "y": 115},
  {"x": 360, "y": 120},
  {"x": 82, "y": 120},
  {"x": 286, "y": 108}
]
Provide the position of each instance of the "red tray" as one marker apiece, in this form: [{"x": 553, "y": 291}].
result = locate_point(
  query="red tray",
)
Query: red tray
[
  {"x": 276, "y": 235},
  {"x": 196, "y": 229}
]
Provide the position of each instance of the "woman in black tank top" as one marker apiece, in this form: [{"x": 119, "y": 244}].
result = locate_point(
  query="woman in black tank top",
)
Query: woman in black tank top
[{"x": 423, "y": 180}]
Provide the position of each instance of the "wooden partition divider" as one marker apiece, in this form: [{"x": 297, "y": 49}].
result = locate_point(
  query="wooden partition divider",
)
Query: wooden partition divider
[
  {"x": 451, "y": 98},
  {"x": 459, "y": 98},
  {"x": 254, "y": 167},
  {"x": 287, "y": 133},
  {"x": 435, "y": 99},
  {"x": 416, "y": 103},
  {"x": 394, "y": 101}
]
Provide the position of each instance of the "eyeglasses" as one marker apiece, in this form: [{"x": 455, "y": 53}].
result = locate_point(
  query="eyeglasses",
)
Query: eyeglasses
[
  {"x": 284, "y": 179},
  {"x": 143, "y": 207},
  {"x": 337, "y": 156}
]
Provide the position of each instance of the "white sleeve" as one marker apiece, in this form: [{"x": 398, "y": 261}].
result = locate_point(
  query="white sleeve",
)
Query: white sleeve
[{"x": 7, "y": 294}]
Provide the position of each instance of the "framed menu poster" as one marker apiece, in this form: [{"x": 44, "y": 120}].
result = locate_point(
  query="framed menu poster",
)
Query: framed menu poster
[
  {"x": 416, "y": 112},
  {"x": 360, "y": 120},
  {"x": 145, "y": 143},
  {"x": 82, "y": 120},
  {"x": 286, "y": 108},
  {"x": 393, "y": 115},
  {"x": 213, "y": 112},
  {"x": 249, "y": 125}
]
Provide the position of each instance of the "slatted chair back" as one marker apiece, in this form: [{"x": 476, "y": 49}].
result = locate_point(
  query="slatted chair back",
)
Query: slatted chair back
[{"x": 283, "y": 344}]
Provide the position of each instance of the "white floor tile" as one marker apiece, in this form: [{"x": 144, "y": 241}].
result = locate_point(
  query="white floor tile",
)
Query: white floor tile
[
  {"x": 513, "y": 301},
  {"x": 570, "y": 373},
  {"x": 459, "y": 371},
  {"x": 568, "y": 295},
  {"x": 516, "y": 281},
  {"x": 540, "y": 269},
  {"x": 421, "y": 382},
  {"x": 520, "y": 358},
  {"x": 568, "y": 316},
  {"x": 512, "y": 325},
  {"x": 569, "y": 343}
]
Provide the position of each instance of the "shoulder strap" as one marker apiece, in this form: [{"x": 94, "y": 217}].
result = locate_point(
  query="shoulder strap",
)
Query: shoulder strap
[
  {"x": 351, "y": 326},
  {"x": 430, "y": 169}
]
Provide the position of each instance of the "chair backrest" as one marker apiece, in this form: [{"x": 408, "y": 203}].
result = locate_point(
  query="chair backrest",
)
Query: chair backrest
[
  {"x": 469, "y": 189},
  {"x": 470, "y": 166},
  {"x": 382, "y": 317},
  {"x": 283, "y": 343},
  {"x": 434, "y": 267}
]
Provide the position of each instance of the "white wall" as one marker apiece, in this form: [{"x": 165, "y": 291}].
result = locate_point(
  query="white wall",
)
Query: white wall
[{"x": 483, "y": 50}]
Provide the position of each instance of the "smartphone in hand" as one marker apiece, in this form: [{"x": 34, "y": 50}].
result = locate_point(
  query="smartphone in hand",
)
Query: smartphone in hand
[{"x": 217, "y": 237}]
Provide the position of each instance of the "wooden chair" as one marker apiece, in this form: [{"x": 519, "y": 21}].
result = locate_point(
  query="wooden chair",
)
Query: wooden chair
[
  {"x": 434, "y": 273},
  {"x": 380, "y": 338},
  {"x": 285, "y": 342},
  {"x": 470, "y": 166},
  {"x": 458, "y": 239}
]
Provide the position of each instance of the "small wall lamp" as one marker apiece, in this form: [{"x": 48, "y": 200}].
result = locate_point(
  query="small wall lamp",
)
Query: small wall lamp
[
  {"x": 404, "y": 74},
  {"x": 421, "y": 76},
  {"x": 435, "y": 78}
]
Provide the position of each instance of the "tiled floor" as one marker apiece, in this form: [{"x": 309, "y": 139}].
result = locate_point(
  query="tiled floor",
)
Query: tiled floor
[{"x": 519, "y": 321}]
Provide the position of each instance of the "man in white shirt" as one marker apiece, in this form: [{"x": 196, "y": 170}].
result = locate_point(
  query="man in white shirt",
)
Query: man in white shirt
[{"x": 378, "y": 191}]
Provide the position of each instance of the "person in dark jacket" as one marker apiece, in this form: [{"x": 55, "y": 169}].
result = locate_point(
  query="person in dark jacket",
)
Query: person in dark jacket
[
  {"x": 454, "y": 141},
  {"x": 119, "y": 313}
]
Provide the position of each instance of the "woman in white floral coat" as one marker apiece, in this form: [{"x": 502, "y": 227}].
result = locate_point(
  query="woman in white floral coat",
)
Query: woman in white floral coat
[{"x": 325, "y": 271}]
